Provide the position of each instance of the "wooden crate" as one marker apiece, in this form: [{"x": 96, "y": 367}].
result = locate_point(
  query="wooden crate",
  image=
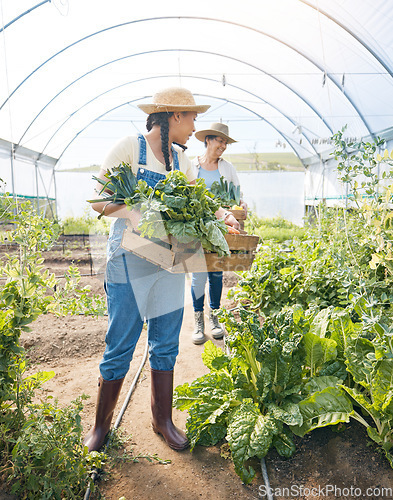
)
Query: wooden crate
[{"x": 180, "y": 258}]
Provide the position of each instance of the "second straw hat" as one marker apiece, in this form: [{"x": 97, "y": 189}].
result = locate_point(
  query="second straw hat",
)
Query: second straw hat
[
  {"x": 219, "y": 129},
  {"x": 173, "y": 99}
]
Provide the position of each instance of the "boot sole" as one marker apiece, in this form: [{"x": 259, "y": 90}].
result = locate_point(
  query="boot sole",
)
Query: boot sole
[
  {"x": 179, "y": 448},
  {"x": 218, "y": 337},
  {"x": 199, "y": 341}
]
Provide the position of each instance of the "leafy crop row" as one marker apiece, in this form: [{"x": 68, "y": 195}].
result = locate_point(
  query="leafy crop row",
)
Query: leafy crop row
[{"x": 311, "y": 342}]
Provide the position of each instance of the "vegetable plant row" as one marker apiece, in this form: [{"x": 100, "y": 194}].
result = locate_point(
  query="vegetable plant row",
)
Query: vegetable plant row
[
  {"x": 41, "y": 451},
  {"x": 299, "y": 371},
  {"x": 310, "y": 344}
]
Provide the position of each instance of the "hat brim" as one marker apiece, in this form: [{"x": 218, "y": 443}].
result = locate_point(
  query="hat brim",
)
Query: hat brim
[
  {"x": 163, "y": 108},
  {"x": 201, "y": 134}
]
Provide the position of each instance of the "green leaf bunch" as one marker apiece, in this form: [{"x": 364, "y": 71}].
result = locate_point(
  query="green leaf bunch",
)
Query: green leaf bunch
[
  {"x": 250, "y": 397},
  {"x": 325, "y": 268},
  {"x": 29, "y": 290},
  {"x": 297, "y": 371},
  {"x": 49, "y": 460},
  {"x": 122, "y": 187},
  {"x": 185, "y": 211},
  {"x": 226, "y": 193}
]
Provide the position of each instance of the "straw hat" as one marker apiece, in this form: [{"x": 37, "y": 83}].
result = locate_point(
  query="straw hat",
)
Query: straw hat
[
  {"x": 173, "y": 99},
  {"x": 218, "y": 129}
]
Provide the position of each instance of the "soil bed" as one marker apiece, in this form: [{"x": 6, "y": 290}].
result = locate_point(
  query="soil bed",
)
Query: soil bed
[{"x": 327, "y": 464}]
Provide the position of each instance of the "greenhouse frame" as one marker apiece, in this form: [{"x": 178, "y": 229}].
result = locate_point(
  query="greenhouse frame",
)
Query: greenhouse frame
[{"x": 284, "y": 74}]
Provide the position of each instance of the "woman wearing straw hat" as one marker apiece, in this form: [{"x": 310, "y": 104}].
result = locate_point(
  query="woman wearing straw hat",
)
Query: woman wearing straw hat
[
  {"x": 136, "y": 289},
  {"x": 211, "y": 167}
]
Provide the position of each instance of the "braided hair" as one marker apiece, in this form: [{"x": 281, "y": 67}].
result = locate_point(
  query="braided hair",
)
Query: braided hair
[{"x": 162, "y": 120}]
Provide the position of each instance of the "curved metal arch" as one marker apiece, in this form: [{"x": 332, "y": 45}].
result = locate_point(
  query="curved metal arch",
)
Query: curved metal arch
[
  {"x": 189, "y": 50},
  {"x": 352, "y": 34},
  {"x": 206, "y": 19},
  {"x": 170, "y": 76},
  {"x": 23, "y": 14},
  {"x": 284, "y": 136}
]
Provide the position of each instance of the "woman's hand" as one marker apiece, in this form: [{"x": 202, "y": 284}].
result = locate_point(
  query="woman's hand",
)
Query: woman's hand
[
  {"x": 227, "y": 217},
  {"x": 231, "y": 221},
  {"x": 244, "y": 206}
]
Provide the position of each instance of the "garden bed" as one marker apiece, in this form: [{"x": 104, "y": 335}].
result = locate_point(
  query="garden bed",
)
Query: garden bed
[{"x": 72, "y": 346}]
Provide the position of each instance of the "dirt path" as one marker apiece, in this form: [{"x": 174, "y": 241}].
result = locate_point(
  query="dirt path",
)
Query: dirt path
[{"x": 72, "y": 347}]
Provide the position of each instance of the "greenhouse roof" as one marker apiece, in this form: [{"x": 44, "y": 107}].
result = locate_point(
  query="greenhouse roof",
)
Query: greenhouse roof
[{"x": 284, "y": 73}]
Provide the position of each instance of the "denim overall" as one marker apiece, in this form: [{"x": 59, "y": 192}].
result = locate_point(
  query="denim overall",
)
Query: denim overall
[
  {"x": 139, "y": 291},
  {"x": 198, "y": 282}
]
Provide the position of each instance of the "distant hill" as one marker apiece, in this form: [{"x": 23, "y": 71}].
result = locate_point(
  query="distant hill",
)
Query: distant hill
[
  {"x": 89, "y": 168},
  {"x": 242, "y": 162},
  {"x": 265, "y": 161}
]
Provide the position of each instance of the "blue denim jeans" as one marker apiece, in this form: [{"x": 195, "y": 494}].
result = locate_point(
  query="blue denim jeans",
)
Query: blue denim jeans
[
  {"x": 198, "y": 289},
  {"x": 139, "y": 291}
]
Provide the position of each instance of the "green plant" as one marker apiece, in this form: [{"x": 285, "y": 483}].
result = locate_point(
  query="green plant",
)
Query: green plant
[
  {"x": 69, "y": 298},
  {"x": 48, "y": 459},
  {"x": 122, "y": 186},
  {"x": 226, "y": 193},
  {"x": 184, "y": 211},
  {"x": 35, "y": 436},
  {"x": 87, "y": 224},
  {"x": 276, "y": 228},
  {"x": 303, "y": 272},
  {"x": 359, "y": 170},
  {"x": 364, "y": 390},
  {"x": 251, "y": 396}
]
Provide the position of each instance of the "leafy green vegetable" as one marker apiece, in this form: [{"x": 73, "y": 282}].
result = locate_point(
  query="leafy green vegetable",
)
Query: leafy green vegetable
[
  {"x": 327, "y": 407},
  {"x": 174, "y": 207},
  {"x": 226, "y": 193},
  {"x": 250, "y": 397},
  {"x": 184, "y": 211},
  {"x": 123, "y": 185}
]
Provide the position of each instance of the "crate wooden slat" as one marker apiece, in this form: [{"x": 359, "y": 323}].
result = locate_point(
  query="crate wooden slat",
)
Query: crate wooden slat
[
  {"x": 238, "y": 214},
  {"x": 245, "y": 242},
  {"x": 181, "y": 258}
]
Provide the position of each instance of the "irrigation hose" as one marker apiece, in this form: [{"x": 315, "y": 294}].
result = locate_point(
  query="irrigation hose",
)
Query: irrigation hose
[
  {"x": 94, "y": 473},
  {"x": 266, "y": 479}
]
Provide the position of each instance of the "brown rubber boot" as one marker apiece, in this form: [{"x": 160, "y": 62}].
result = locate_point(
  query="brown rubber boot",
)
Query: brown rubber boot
[
  {"x": 108, "y": 394},
  {"x": 161, "y": 408}
]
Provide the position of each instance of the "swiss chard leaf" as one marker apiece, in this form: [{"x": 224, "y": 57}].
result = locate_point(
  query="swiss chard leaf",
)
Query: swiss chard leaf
[
  {"x": 213, "y": 357},
  {"x": 382, "y": 386},
  {"x": 288, "y": 413},
  {"x": 283, "y": 442},
  {"x": 327, "y": 407},
  {"x": 318, "y": 351},
  {"x": 249, "y": 434},
  {"x": 360, "y": 359}
]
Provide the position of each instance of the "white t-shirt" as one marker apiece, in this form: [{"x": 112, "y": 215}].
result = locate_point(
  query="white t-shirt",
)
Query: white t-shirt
[{"x": 127, "y": 151}]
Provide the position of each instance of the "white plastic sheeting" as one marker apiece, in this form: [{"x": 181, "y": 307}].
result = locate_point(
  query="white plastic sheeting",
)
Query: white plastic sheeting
[{"x": 285, "y": 72}]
